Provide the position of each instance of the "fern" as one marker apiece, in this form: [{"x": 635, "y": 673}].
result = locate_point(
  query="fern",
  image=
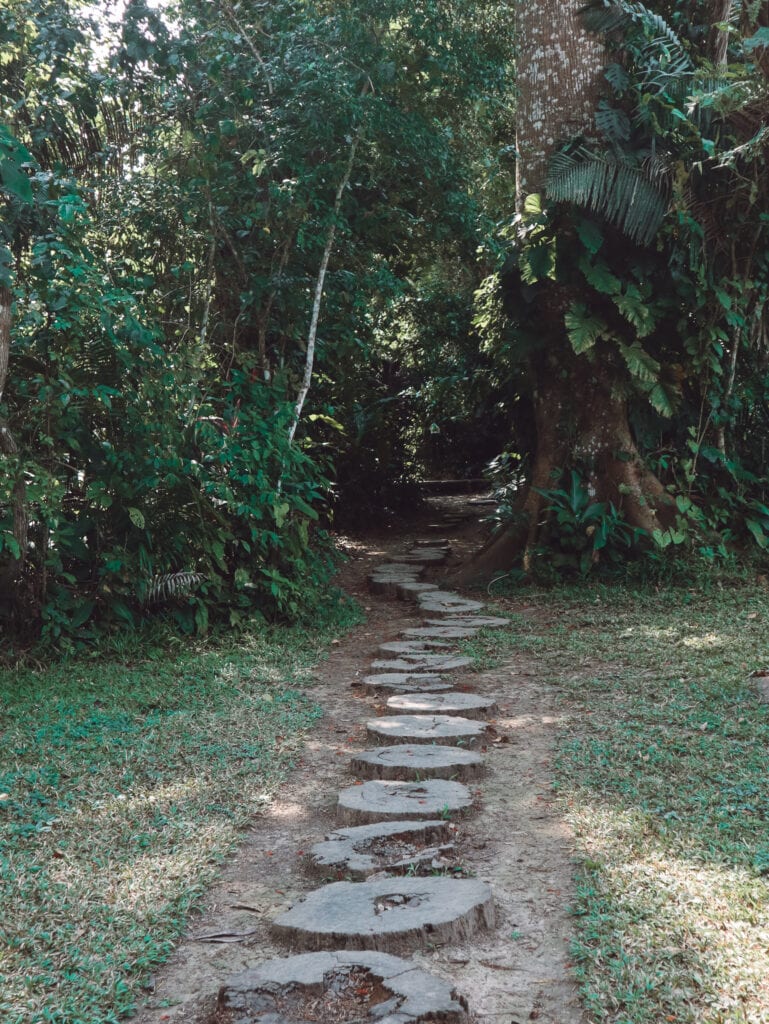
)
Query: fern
[
  {"x": 172, "y": 584},
  {"x": 632, "y": 197}
]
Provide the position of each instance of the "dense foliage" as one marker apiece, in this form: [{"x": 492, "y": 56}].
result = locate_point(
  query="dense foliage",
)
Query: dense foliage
[
  {"x": 184, "y": 203},
  {"x": 656, "y": 225}
]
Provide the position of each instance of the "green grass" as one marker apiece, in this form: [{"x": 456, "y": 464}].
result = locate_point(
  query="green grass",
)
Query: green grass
[
  {"x": 124, "y": 781},
  {"x": 663, "y": 773}
]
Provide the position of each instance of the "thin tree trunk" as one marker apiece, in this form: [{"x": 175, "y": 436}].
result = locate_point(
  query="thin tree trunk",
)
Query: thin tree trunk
[
  {"x": 8, "y": 446},
  {"x": 319, "y": 283}
]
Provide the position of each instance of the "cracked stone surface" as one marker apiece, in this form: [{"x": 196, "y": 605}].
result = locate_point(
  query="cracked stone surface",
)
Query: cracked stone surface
[
  {"x": 376, "y": 800},
  {"x": 404, "y": 682},
  {"x": 447, "y": 601},
  {"x": 422, "y": 761},
  {"x": 415, "y": 662},
  {"x": 384, "y": 846},
  {"x": 468, "y": 704},
  {"x": 388, "y": 914},
  {"x": 448, "y": 729},
  {"x": 388, "y": 989}
]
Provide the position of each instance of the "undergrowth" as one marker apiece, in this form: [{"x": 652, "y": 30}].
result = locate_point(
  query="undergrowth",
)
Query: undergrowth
[
  {"x": 662, "y": 773},
  {"x": 124, "y": 781}
]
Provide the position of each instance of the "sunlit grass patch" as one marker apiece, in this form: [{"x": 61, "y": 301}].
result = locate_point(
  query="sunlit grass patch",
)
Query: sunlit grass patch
[
  {"x": 123, "y": 784},
  {"x": 663, "y": 774}
]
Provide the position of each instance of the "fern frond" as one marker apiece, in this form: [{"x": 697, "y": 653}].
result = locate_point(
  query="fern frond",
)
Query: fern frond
[
  {"x": 633, "y": 198},
  {"x": 172, "y": 584}
]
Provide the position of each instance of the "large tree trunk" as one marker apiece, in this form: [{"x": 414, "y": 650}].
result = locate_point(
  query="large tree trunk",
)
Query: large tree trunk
[{"x": 579, "y": 417}]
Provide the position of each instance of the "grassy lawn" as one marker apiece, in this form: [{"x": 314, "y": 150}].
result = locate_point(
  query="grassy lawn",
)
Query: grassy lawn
[
  {"x": 664, "y": 775},
  {"x": 123, "y": 784}
]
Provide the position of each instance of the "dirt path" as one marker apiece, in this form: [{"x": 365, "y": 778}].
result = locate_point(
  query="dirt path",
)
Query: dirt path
[{"x": 515, "y": 841}]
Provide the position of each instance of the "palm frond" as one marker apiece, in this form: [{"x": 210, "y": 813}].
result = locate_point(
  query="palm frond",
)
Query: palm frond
[
  {"x": 172, "y": 584},
  {"x": 633, "y": 197}
]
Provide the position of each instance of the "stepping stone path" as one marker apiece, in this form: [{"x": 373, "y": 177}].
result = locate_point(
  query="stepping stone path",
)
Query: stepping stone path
[
  {"x": 470, "y": 705},
  {"x": 404, "y": 682},
  {"x": 448, "y": 729},
  {"x": 384, "y": 846},
  {"x": 376, "y": 800},
  {"x": 401, "y": 912},
  {"x": 397, "y": 822},
  {"x": 428, "y": 762},
  {"x": 385, "y": 988}
]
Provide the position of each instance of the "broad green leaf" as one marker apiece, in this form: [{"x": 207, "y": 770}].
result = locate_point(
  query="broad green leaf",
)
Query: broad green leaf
[
  {"x": 584, "y": 329},
  {"x": 136, "y": 517}
]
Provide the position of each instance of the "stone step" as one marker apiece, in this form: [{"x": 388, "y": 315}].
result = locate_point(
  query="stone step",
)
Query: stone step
[
  {"x": 410, "y": 591},
  {"x": 423, "y": 761},
  {"x": 470, "y": 621},
  {"x": 448, "y": 602},
  {"x": 417, "y": 662},
  {"x": 423, "y": 556},
  {"x": 444, "y": 729},
  {"x": 407, "y": 647},
  {"x": 404, "y": 682},
  {"x": 378, "y": 800},
  {"x": 322, "y": 986},
  {"x": 440, "y": 632},
  {"x": 389, "y": 913},
  {"x": 471, "y": 705},
  {"x": 362, "y": 850}
]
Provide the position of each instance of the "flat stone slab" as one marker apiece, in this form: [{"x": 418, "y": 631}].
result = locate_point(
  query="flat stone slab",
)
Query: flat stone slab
[
  {"x": 469, "y": 621},
  {"x": 388, "y": 914},
  {"x": 447, "y": 601},
  {"x": 447, "y": 729},
  {"x": 471, "y": 705},
  {"x": 388, "y": 585},
  {"x": 424, "y": 761},
  {"x": 440, "y": 632},
  {"x": 384, "y": 846},
  {"x": 404, "y": 682},
  {"x": 378, "y": 800},
  {"x": 407, "y": 647},
  {"x": 396, "y": 567},
  {"x": 312, "y": 987},
  {"x": 410, "y": 591},
  {"x": 415, "y": 662},
  {"x": 424, "y": 556},
  {"x": 432, "y": 542}
]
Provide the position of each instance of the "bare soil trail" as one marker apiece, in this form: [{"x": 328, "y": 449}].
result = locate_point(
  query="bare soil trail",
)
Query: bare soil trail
[{"x": 513, "y": 839}]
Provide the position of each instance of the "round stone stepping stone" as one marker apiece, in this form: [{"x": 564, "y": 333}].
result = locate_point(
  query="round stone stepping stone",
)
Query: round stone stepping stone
[
  {"x": 423, "y": 760},
  {"x": 384, "y": 846},
  {"x": 314, "y": 987},
  {"x": 388, "y": 913},
  {"x": 396, "y": 567},
  {"x": 411, "y": 590},
  {"x": 415, "y": 662},
  {"x": 471, "y": 705},
  {"x": 469, "y": 621},
  {"x": 440, "y": 632},
  {"x": 449, "y": 729},
  {"x": 446, "y": 601},
  {"x": 404, "y": 682},
  {"x": 423, "y": 556},
  {"x": 407, "y": 647},
  {"x": 388, "y": 585},
  {"x": 377, "y": 800}
]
